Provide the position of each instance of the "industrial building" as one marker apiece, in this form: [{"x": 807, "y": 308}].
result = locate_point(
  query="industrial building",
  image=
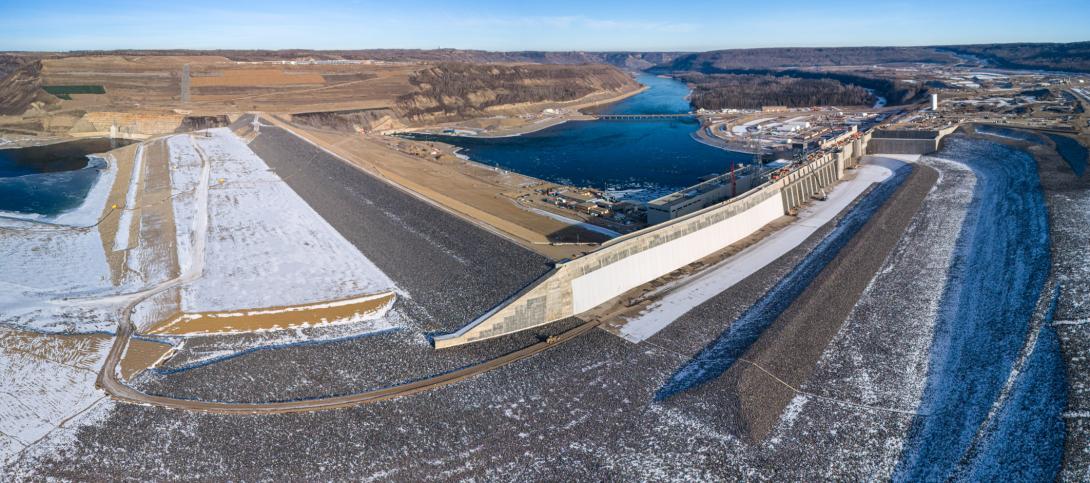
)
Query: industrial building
[{"x": 702, "y": 195}]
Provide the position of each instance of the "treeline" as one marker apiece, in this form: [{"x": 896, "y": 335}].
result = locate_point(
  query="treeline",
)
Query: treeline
[
  {"x": 1074, "y": 57},
  {"x": 467, "y": 90},
  {"x": 721, "y": 91},
  {"x": 895, "y": 91},
  {"x": 783, "y": 58}
]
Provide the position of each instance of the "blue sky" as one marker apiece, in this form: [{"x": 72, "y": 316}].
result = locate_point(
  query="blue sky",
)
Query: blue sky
[{"x": 531, "y": 25}]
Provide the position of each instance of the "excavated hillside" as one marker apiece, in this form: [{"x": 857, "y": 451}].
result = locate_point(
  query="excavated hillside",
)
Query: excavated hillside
[
  {"x": 351, "y": 120},
  {"x": 20, "y": 87},
  {"x": 455, "y": 91}
]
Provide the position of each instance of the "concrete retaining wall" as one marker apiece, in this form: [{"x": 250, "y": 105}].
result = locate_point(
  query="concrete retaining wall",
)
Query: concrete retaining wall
[
  {"x": 903, "y": 146},
  {"x": 622, "y": 264},
  {"x": 907, "y": 141},
  {"x": 646, "y": 258}
]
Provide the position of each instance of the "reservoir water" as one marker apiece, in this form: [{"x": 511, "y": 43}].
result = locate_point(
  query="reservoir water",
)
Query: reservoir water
[
  {"x": 1074, "y": 153},
  {"x": 49, "y": 180},
  {"x": 639, "y": 160}
]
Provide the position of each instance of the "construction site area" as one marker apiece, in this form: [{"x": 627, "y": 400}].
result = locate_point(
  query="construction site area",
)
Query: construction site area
[{"x": 276, "y": 259}]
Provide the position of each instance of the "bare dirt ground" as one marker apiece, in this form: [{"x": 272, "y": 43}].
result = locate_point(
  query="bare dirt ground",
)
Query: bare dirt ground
[
  {"x": 143, "y": 93},
  {"x": 217, "y": 84},
  {"x": 273, "y": 318},
  {"x": 107, "y": 230},
  {"x": 140, "y": 355},
  {"x": 150, "y": 85}
]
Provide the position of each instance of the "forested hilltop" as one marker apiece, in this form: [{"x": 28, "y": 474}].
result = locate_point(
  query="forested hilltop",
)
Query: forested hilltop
[
  {"x": 753, "y": 91},
  {"x": 749, "y": 78},
  {"x": 787, "y": 87},
  {"x": 777, "y": 76},
  {"x": 781, "y": 58},
  {"x": 1074, "y": 57}
]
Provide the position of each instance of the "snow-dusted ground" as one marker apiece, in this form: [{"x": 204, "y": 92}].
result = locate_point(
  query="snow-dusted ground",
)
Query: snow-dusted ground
[
  {"x": 46, "y": 262},
  {"x": 186, "y": 174},
  {"x": 55, "y": 257},
  {"x": 732, "y": 343},
  {"x": 265, "y": 246},
  {"x": 37, "y": 266},
  {"x": 986, "y": 326},
  {"x": 46, "y": 381},
  {"x": 897, "y": 311},
  {"x": 584, "y": 410},
  {"x": 879, "y": 357},
  {"x": 690, "y": 292},
  {"x": 247, "y": 242}
]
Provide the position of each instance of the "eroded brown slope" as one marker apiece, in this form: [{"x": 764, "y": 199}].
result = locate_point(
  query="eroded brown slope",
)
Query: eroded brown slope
[
  {"x": 20, "y": 88},
  {"x": 453, "y": 91}
]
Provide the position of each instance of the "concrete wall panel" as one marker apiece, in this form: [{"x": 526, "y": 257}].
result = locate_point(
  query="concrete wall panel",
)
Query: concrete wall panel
[{"x": 601, "y": 285}]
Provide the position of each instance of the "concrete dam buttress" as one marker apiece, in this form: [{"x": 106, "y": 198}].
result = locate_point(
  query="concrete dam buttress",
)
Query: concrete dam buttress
[{"x": 576, "y": 286}]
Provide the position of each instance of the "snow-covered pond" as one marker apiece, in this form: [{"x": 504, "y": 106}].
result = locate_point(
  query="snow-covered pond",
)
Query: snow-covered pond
[{"x": 39, "y": 182}]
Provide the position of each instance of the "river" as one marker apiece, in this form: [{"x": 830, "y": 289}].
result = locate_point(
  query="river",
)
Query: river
[{"x": 638, "y": 160}]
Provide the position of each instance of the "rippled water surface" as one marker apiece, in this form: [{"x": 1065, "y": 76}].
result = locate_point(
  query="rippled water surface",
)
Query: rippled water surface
[
  {"x": 643, "y": 159},
  {"x": 51, "y": 179}
]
